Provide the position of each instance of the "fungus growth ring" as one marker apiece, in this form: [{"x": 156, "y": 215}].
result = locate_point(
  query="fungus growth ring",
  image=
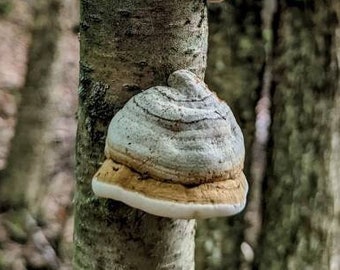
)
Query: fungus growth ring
[{"x": 175, "y": 151}]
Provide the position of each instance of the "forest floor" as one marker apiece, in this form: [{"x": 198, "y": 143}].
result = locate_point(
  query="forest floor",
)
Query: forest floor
[{"x": 43, "y": 240}]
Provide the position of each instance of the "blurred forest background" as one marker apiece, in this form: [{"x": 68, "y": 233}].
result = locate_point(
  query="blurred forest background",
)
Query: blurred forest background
[{"x": 276, "y": 64}]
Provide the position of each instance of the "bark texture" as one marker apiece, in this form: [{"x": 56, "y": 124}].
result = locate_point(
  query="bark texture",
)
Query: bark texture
[
  {"x": 235, "y": 66},
  {"x": 300, "y": 191},
  {"x": 22, "y": 179},
  {"x": 334, "y": 168},
  {"x": 127, "y": 46}
]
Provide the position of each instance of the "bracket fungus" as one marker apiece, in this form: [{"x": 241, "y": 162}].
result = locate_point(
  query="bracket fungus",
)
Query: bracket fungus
[{"x": 175, "y": 151}]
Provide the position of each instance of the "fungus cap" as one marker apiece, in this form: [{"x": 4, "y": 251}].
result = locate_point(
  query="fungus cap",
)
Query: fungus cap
[{"x": 175, "y": 151}]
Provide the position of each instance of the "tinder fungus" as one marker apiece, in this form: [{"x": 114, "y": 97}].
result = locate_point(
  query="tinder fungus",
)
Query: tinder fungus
[{"x": 175, "y": 151}]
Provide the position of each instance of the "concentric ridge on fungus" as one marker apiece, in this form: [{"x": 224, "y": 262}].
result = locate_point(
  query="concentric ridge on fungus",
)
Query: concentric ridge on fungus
[{"x": 180, "y": 135}]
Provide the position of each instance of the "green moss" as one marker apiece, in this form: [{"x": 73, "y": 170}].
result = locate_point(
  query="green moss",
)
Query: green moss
[
  {"x": 14, "y": 222},
  {"x": 5, "y": 7},
  {"x": 3, "y": 265}
]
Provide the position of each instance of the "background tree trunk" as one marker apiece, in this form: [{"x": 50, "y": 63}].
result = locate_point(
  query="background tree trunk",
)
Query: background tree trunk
[
  {"x": 235, "y": 67},
  {"x": 334, "y": 168},
  {"x": 302, "y": 184},
  {"x": 22, "y": 179},
  {"x": 127, "y": 46},
  {"x": 42, "y": 240}
]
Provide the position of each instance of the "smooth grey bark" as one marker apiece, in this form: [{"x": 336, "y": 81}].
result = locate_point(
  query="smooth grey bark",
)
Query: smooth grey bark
[
  {"x": 127, "y": 46},
  {"x": 22, "y": 179},
  {"x": 301, "y": 189}
]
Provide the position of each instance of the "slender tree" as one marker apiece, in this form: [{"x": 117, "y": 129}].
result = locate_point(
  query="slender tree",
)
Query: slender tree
[
  {"x": 25, "y": 173},
  {"x": 301, "y": 191},
  {"x": 127, "y": 46},
  {"x": 234, "y": 70}
]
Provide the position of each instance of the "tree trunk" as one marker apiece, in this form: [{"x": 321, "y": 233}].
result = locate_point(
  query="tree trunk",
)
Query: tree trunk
[
  {"x": 22, "y": 179},
  {"x": 302, "y": 185},
  {"x": 127, "y": 46},
  {"x": 334, "y": 168},
  {"x": 235, "y": 66}
]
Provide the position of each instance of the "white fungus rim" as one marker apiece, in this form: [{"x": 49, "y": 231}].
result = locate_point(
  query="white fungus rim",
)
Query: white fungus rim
[{"x": 163, "y": 208}]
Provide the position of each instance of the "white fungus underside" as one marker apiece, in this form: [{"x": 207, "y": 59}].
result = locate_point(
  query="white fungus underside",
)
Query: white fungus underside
[{"x": 170, "y": 209}]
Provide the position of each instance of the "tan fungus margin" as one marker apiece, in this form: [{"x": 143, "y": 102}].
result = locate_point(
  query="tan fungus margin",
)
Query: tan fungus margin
[{"x": 229, "y": 191}]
